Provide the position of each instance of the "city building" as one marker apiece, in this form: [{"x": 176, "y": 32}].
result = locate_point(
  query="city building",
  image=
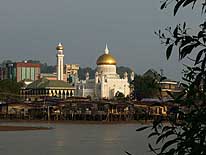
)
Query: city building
[
  {"x": 48, "y": 88},
  {"x": 106, "y": 83},
  {"x": 171, "y": 86},
  {"x": 20, "y": 71},
  {"x": 53, "y": 85},
  {"x": 2, "y": 73},
  {"x": 49, "y": 76},
  {"x": 167, "y": 85},
  {"x": 71, "y": 72}
]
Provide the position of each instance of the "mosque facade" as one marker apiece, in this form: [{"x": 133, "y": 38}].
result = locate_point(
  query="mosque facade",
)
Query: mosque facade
[{"x": 107, "y": 83}]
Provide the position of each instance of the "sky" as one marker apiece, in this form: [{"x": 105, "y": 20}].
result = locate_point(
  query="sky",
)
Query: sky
[{"x": 31, "y": 29}]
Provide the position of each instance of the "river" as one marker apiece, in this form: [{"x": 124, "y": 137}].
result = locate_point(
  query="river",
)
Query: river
[{"x": 75, "y": 139}]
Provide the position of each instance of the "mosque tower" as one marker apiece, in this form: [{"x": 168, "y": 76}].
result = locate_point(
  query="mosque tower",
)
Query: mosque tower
[{"x": 60, "y": 61}]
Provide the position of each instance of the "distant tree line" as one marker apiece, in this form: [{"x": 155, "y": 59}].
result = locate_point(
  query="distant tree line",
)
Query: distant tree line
[
  {"x": 45, "y": 68},
  {"x": 9, "y": 89}
]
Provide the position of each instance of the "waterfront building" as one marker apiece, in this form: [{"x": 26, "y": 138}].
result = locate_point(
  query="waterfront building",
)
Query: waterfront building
[
  {"x": 49, "y": 76},
  {"x": 106, "y": 83},
  {"x": 20, "y": 71},
  {"x": 48, "y": 88},
  {"x": 171, "y": 86},
  {"x": 167, "y": 85}
]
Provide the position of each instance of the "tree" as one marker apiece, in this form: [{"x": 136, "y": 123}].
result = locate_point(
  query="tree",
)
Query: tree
[
  {"x": 186, "y": 135},
  {"x": 122, "y": 69},
  {"x": 47, "y": 68},
  {"x": 82, "y": 73},
  {"x": 119, "y": 95},
  {"x": 145, "y": 87},
  {"x": 9, "y": 89}
]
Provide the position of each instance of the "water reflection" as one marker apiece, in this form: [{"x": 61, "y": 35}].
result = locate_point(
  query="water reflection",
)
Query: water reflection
[
  {"x": 111, "y": 136},
  {"x": 75, "y": 139}
]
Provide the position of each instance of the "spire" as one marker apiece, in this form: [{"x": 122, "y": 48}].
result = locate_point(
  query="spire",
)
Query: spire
[{"x": 106, "y": 51}]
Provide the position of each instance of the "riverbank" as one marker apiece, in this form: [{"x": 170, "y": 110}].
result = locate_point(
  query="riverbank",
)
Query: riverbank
[
  {"x": 77, "y": 122},
  {"x": 20, "y": 128}
]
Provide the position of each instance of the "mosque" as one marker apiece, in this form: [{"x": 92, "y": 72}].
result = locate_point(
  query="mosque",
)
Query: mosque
[{"x": 107, "y": 83}]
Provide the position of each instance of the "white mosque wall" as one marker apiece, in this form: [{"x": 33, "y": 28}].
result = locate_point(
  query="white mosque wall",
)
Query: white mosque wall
[
  {"x": 108, "y": 69},
  {"x": 112, "y": 86}
]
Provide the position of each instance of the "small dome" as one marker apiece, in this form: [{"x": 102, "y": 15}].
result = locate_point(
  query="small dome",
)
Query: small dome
[
  {"x": 60, "y": 47},
  {"x": 106, "y": 59}
]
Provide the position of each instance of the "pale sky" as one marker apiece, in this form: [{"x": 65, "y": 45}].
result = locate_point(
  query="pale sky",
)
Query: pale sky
[{"x": 31, "y": 29}]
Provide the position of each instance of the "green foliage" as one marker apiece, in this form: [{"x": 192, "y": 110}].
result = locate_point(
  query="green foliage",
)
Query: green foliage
[
  {"x": 119, "y": 96},
  {"x": 122, "y": 69},
  {"x": 183, "y": 3},
  {"x": 47, "y": 68},
  {"x": 9, "y": 89},
  {"x": 82, "y": 73},
  {"x": 145, "y": 87},
  {"x": 185, "y": 132}
]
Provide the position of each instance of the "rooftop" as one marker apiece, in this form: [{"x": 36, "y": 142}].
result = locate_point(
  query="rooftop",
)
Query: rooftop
[{"x": 45, "y": 83}]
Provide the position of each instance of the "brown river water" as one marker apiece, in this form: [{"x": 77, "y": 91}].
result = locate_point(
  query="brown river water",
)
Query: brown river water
[{"x": 75, "y": 139}]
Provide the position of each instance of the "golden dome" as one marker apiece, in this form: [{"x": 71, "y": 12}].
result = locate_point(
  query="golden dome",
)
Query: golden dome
[
  {"x": 106, "y": 59},
  {"x": 60, "y": 47}
]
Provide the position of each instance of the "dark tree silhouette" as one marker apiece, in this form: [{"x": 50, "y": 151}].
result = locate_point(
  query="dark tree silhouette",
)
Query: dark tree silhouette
[
  {"x": 145, "y": 87},
  {"x": 9, "y": 89},
  {"x": 186, "y": 135}
]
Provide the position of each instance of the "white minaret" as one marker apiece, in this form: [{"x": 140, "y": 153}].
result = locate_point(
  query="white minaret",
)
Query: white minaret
[
  {"x": 60, "y": 61},
  {"x": 132, "y": 76}
]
